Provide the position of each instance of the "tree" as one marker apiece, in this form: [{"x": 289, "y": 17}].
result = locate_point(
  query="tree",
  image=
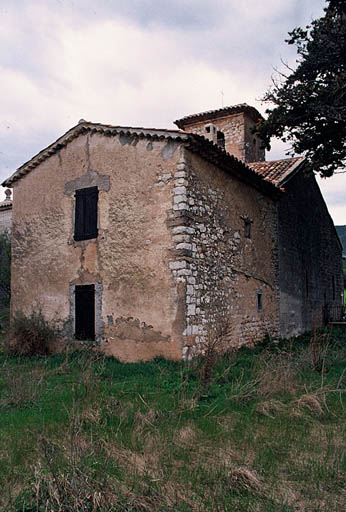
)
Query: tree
[
  {"x": 310, "y": 101},
  {"x": 5, "y": 265}
]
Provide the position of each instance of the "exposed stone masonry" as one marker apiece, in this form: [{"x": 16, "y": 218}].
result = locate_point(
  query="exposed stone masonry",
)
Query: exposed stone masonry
[
  {"x": 239, "y": 139},
  {"x": 209, "y": 261}
]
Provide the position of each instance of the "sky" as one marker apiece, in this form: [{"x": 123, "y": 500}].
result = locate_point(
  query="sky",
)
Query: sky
[{"x": 139, "y": 63}]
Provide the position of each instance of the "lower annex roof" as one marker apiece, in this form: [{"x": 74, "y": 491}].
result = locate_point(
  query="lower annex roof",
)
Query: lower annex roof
[{"x": 277, "y": 171}]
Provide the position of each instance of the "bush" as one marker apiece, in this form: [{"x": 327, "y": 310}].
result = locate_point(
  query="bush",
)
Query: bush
[
  {"x": 4, "y": 315},
  {"x": 30, "y": 335},
  {"x": 5, "y": 265}
]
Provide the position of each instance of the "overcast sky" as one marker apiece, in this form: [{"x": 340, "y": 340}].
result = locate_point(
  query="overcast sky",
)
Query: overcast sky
[{"x": 139, "y": 63}]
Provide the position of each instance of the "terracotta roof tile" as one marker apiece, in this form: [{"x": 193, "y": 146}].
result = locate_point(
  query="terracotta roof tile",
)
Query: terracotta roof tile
[
  {"x": 276, "y": 171},
  {"x": 229, "y": 163}
]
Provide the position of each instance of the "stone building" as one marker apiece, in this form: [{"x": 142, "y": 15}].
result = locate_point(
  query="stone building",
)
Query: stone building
[
  {"x": 144, "y": 239},
  {"x": 6, "y": 212}
]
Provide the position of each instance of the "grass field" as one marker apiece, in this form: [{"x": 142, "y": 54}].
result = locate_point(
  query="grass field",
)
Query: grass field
[{"x": 265, "y": 431}]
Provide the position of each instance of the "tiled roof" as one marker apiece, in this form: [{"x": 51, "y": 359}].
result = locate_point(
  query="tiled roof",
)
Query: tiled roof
[
  {"x": 196, "y": 143},
  {"x": 276, "y": 171},
  {"x": 220, "y": 112},
  {"x": 230, "y": 164}
]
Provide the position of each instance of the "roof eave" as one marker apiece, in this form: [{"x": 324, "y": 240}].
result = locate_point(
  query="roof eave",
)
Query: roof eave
[
  {"x": 194, "y": 142},
  {"x": 229, "y": 163},
  {"x": 75, "y": 131},
  {"x": 292, "y": 171}
]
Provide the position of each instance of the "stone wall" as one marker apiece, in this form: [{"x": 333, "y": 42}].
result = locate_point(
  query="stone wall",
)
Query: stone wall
[
  {"x": 138, "y": 304},
  {"x": 221, "y": 269},
  {"x": 310, "y": 258},
  {"x": 239, "y": 139},
  {"x": 183, "y": 247}
]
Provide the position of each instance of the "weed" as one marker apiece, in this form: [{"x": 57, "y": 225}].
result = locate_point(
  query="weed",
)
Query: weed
[
  {"x": 214, "y": 348},
  {"x": 270, "y": 408},
  {"x": 318, "y": 347},
  {"x": 30, "y": 335},
  {"x": 4, "y": 315},
  {"x": 276, "y": 374},
  {"x": 243, "y": 389},
  {"x": 20, "y": 388},
  {"x": 243, "y": 480},
  {"x": 110, "y": 437},
  {"x": 313, "y": 402}
]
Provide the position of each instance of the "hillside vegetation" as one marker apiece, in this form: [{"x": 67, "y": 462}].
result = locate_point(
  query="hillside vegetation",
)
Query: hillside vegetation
[
  {"x": 341, "y": 231},
  {"x": 258, "y": 430}
]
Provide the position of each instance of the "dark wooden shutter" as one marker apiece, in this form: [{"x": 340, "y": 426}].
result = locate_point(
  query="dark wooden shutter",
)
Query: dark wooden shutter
[
  {"x": 86, "y": 213},
  {"x": 85, "y": 312}
]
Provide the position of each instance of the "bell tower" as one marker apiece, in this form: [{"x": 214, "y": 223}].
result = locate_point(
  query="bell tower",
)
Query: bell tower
[{"x": 230, "y": 128}]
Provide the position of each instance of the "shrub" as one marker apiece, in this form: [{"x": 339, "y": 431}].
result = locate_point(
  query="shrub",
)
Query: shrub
[
  {"x": 5, "y": 265},
  {"x": 30, "y": 335},
  {"x": 276, "y": 374},
  {"x": 215, "y": 346},
  {"x": 4, "y": 315}
]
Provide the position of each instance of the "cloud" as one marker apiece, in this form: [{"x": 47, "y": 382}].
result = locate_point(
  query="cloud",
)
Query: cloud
[
  {"x": 137, "y": 62},
  {"x": 333, "y": 190}
]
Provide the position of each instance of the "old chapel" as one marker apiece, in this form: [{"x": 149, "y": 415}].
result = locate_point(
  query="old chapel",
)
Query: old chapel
[{"x": 143, "y": 239}]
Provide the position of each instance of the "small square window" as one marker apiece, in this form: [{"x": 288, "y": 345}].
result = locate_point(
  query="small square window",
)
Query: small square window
[{"x": 85, "y": 226}]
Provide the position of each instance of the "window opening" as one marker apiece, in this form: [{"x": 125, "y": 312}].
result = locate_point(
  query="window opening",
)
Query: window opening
[
  {"x": 220, "y": 140},
  {"x": 85, "y": 312},
  {"x": 259, "y": 301},
  {"x": 247, "y": 228},
  {"x": 85, "y": 226}
]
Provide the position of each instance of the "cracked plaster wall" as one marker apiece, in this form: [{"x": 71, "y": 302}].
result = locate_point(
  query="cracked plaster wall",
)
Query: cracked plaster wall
[{"x": 140, "y": 314}]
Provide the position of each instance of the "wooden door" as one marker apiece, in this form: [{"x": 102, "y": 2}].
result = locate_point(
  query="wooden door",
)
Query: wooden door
[{"x": 85, "y": 312}]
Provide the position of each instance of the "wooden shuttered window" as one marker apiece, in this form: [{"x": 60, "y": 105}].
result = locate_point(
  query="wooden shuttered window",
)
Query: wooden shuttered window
[{"x": 85, "y": 226}]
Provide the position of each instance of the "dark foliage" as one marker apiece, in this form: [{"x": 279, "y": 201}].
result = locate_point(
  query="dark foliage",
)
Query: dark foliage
[
  {"x": 310, "y": 102},
  {"x": 341, "y": 231},
  {"x": 30, "y": 335},
  {"x": 5, "y": 265}
]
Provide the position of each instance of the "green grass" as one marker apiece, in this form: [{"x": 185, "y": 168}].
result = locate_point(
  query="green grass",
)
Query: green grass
[{"x": 81, "y": 432}]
